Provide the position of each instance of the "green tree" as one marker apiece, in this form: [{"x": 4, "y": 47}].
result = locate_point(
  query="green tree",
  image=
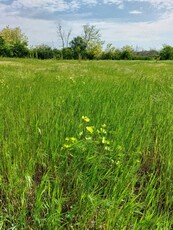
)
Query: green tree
[
  {"x": 78, "y": 46},
  {"x": 91, "y": 34},
  {"x": 92, "y": 38},
  {"x": 127, "y": 53},
  {"x": 111, "y": 53},
  {"x": 43, "y": 52},
  {"x": 166, "y": 53},
  {"x": 14, "y": 42},
  {"x": 94, "y": 50},
  {"x": 146, "y": 54},
  {"x": 2, "y": 47},
  {"x": 67, "y": 53},
  {"x": 13, "y": 36},
  {"x": 19, "y": 50},
  {"x": 57, "y": 54}
]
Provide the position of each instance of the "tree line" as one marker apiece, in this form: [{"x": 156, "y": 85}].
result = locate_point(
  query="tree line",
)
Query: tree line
[{"x": 87, "y": 46}]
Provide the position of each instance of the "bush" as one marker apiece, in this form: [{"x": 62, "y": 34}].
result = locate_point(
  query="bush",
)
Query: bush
[
  {"x": 43, "y": 52},
  {"x": 166, "y": 53},
  {"x": 19, "y": 50},
  {"x": 67, "y": 53},
  {"x": 57, "y": 54},
  {"x": 140, "y": 57}
]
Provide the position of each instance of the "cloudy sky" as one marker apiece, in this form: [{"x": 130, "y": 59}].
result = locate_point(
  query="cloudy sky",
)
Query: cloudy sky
[{"x": 141, "y": 23}]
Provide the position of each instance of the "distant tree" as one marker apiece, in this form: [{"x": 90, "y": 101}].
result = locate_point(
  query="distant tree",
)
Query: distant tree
[
  {"x": 111, "y": 53},
  {"x": 2, "y": 41},
  {"x": 94, "y": 50},
  {"x": 13, "y": 36},
  {"x": 92, "y": 38},
  {"x": 166, "y": 53},
  {"x": 63, "y": 35},
  {"x": 57, "y": 54},
  {"x": 127, "y": 53},
  {"x": 19, "y": 50},
  {"x": 78, "y": 46},
  {"x": 14, "y": 42},
  {"x": 68, "y": 53},
  {"x": 42, "y": 52},
  {"x": 91, "y": 35},
  {"x": 146, "y": 54},
  {"x": 2, "y": 47},
  {"x": 152, "y": 53}
]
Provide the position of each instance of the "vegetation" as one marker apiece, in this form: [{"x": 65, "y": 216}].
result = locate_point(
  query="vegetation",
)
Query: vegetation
[
  {"x": 166, "y": 53},
  {"x": 13, "y": 43},
  {"x": 78, "y": 46},
  {"x": 87, "y": 46},
  {"x": 86, "y": 145}
]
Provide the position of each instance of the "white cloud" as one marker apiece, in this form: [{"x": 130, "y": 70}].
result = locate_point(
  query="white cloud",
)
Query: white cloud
[
  {"x": 135, "y": 12},
  {"x": 49, "y": 5},
  {"x": 167, "y": 4},
  {"x": 90, "y": 2},
  {"x": 64, "y": 5},
  {"x": 118, "y": 3},
  {"x": 56, "y": 5},
  {"x": 113, "y": 2}
]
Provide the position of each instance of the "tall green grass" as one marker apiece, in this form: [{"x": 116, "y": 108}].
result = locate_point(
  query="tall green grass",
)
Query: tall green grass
[{"x": 123, "y": 183}]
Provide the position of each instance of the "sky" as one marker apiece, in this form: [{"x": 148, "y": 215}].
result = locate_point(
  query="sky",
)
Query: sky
[{"x": 143, "y": 24}]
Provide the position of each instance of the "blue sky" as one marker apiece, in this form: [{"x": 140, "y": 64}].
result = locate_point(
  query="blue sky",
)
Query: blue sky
[{"x": 140, "y": 23}]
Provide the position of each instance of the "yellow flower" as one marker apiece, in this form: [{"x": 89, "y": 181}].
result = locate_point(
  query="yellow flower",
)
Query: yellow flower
[
  {"x": 119, "y": 147},
  {"x": 86, "y": 119},
  {"x": 73, "y": 139},
  {"x": 104, "y": 141},
  {"x": 66, "y": 146},
  {"x": 90, "y": 129}
]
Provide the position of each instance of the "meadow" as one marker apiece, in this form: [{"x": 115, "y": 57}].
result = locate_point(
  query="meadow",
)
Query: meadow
[{"x": 86, "y": 145}]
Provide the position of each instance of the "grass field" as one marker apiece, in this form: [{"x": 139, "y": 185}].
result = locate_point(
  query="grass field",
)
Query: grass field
[{"x": 86, "y": 145}]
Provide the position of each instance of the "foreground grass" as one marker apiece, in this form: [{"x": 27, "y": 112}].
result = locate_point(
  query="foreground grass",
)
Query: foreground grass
[{"x": 117, "y": 176}]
